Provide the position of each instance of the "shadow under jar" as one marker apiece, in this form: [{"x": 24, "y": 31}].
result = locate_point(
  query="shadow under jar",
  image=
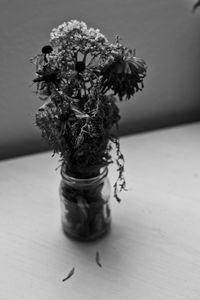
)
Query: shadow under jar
[{"x": 85, "y": 205}]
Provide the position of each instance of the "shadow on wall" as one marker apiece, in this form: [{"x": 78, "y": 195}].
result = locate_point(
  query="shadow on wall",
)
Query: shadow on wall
[{"x": 164, "y": 33}]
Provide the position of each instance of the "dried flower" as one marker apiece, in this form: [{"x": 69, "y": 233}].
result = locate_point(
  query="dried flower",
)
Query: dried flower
[
  {"x": 80, "y": 66},
  {"x": 47, "y": 49},
  {"x": 77, "y": 74},
  {"x": 124, "y": 75}
]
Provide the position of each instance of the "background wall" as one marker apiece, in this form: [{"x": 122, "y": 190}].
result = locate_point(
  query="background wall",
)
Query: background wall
[{"x": 164, "y": 33}]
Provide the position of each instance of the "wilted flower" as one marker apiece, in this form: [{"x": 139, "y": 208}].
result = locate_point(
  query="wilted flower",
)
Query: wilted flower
[{"x": 124, "y": 75}]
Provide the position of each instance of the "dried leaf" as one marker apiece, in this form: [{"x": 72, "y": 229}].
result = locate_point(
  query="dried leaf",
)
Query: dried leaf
[
  {"x": 98, "y": 259},
  {"x": 69, "y": 275}
]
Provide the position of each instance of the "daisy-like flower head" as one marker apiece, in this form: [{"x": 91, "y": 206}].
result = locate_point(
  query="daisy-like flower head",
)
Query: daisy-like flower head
[{"x": 123, "y": 74}]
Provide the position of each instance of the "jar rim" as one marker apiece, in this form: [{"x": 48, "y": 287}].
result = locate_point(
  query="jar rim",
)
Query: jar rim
[{"x": 85, "y": 181}]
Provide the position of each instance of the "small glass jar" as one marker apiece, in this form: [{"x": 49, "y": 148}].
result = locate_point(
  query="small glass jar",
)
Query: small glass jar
[{"x": 85, "y": 205}]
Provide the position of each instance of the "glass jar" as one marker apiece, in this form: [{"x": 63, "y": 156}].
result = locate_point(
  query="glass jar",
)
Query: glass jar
[{"x": 85, "y": 205}]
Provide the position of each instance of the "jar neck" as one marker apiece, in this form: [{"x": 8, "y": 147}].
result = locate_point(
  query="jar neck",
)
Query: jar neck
[
  {"x": 72, "y": 181},
  {"x": 82, "y": 172}
]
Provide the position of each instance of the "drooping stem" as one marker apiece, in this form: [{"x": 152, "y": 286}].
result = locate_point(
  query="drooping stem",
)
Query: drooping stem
[{"x": 120, "y": 183}]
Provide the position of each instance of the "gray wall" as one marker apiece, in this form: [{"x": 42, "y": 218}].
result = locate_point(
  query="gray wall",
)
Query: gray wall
[{"x": 164, "y": 33}]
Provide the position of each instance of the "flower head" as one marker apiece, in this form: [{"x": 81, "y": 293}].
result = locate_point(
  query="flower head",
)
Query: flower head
[
  {"x": 124, "y": 75},
  {"x": 80, "y": 66},
  {"x": 47, "y": 49},
  {"x": 75, "y": 30}
]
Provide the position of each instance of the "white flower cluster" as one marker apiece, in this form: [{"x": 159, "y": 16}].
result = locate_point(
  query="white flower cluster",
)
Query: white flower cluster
[
  {"x": 96, "y": 35},
  {"x": 80, "y": 27}
]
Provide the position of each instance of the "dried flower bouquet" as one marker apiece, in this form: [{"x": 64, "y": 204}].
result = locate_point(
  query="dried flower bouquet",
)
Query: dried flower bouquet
[{"x": 79, "y": 76}]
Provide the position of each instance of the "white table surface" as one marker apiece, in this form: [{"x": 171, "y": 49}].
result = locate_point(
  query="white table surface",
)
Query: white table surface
[{"x": 153, "y": 249}]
